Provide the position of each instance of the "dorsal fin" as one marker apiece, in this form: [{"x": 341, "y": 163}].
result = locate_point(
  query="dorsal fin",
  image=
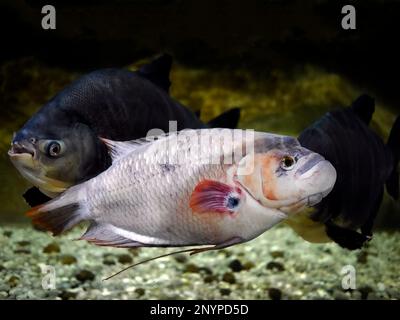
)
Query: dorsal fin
[
  {"x": 364, "y": 107},
  {"x": 118, "y": 149},
  {"x": 157, "y": 71}
]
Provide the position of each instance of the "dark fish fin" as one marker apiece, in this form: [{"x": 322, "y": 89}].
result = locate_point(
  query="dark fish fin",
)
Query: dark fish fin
[
  {"x": 35, "y": 197},
  {"x": 366, "y": 228},
  {"x": 346, "y": 238},
  {"x": 101, "y": 236},
  {"x": 229, "y": 119},
  {"x": 364, "y": 107},
  {"x": 157, "y": 71},
  {"x": 392, "y": 184}
]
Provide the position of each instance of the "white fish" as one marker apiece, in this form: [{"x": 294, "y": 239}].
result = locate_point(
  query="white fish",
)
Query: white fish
[{"x": 196, "y": 187}]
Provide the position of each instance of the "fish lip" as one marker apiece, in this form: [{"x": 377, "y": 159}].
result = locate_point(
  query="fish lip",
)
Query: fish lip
[
  {"x": 18, "y": 149},
  {"x": 321, "y": 195}
]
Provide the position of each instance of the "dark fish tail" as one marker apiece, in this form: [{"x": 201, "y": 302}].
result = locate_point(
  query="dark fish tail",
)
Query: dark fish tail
[
  {"x": 392, "y": 184},
  {"x": 229, "y": 119}
]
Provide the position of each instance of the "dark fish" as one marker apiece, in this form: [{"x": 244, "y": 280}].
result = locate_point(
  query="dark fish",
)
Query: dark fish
[
  {"x": 60, "y": 146},
  {"x": 364, "y": 164}
]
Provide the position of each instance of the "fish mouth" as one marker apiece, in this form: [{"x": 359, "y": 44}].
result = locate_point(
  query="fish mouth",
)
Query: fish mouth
[{"x": 18, "y": 149}]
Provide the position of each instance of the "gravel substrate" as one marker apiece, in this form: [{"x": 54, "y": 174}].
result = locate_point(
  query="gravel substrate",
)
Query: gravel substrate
[{"x": 277, "y": 265}]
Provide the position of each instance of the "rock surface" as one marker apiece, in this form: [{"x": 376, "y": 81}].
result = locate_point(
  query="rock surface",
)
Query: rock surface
[{"x": 311, "y": 271}]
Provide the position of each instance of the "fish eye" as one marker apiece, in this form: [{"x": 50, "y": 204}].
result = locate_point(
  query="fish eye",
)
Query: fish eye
[
  {"x": 288, "y": 162},
  {"x": 54, "y": 148}
]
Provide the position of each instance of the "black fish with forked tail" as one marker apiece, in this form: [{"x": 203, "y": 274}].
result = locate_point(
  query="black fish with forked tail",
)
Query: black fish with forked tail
[
  {"x": 60, "y": 146},
  {"x": 364, "y": 165}
]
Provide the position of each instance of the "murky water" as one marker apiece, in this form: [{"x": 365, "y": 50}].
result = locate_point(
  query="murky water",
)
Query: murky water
[{"x": 289, "y": 267}]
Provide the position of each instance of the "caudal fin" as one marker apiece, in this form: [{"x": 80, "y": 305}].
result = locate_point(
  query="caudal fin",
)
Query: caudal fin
[
  {"x": 229, "y": 119},
  {"x": 392, "y": 184},
  {"x": 61, "y": 213}
]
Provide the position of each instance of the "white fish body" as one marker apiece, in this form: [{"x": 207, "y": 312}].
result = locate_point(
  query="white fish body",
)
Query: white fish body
[{"x": 144, "y": 198}]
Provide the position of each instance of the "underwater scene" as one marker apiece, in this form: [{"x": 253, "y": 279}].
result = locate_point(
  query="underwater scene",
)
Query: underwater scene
[{"x": 88, "y": 199}]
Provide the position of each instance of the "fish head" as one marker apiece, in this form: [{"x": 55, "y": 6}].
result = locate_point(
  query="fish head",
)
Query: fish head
[
  {"x": 288, "y": 179},
  {"x": 53, "y": 160}
]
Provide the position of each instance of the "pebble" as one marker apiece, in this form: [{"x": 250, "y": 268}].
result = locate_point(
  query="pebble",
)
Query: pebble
[
  {"x": 134, "y": 251},
  {"x": 277, "y": 266},
  {"x": 248, "y": 265},
  {"x": 109, "y": 260},
  {"x": 22, "y": 251},
  {"x": 23, "y": 243},
  {"x": 181, "y": 258},
  {"x": 7, "y": 233},
  {"x": 85, "y": 275},
  {"x": 68, "y": 259},
  {"x": 68, "y": 295},
  {"x": 225, "y": 291},
  {"x": 205, "y": 270},
  {"x": 210, "y": 278},
  {"x": 236, "y": 265},
  {"x": 275, "y": 294},
  {"x": 124, "y": 258},
  {"x": 191, "y": 268},
  {"x": 52, "y": 248},
  {"x": 229, "y": 277},
  {"x": 13, "y": 281},
  {"x": 277, "y": 254},
  {"x": 340, "y": 295},
  {"x": 140, "y": 291}
]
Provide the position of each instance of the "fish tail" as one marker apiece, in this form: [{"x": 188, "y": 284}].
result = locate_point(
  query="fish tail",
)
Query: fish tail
[
  {"x": 392, "y": 184},
  {"x": 61, "y": 213}
]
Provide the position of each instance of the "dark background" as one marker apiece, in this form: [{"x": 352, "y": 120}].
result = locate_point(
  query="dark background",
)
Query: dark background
[{"x": 253, "y": 34}]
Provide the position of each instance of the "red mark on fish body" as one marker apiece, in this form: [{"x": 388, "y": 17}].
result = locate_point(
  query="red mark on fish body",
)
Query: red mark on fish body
[
  {"x": 214, "y": 196},
  {"x": 268, "y": 163}
]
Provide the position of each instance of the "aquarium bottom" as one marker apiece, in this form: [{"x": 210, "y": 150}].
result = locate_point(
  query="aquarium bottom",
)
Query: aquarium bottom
[{"x": 277, "y": 265}]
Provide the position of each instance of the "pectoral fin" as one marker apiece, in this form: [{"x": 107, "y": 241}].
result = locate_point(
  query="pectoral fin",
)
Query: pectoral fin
[{"x": 214, "y": 196}]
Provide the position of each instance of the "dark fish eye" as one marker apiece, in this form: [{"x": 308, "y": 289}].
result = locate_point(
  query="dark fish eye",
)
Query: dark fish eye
[
  {"x": 53, "y": 149},
  {"x": 32, "y": 140},
  {"x": 288, "y": 162},
  {"x": 233, "y": 202}
]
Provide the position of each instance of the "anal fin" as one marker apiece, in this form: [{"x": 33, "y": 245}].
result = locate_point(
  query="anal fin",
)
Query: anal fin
[
  {"x": 346, "y": 238},
  {"x": 101, "y": 235}
]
